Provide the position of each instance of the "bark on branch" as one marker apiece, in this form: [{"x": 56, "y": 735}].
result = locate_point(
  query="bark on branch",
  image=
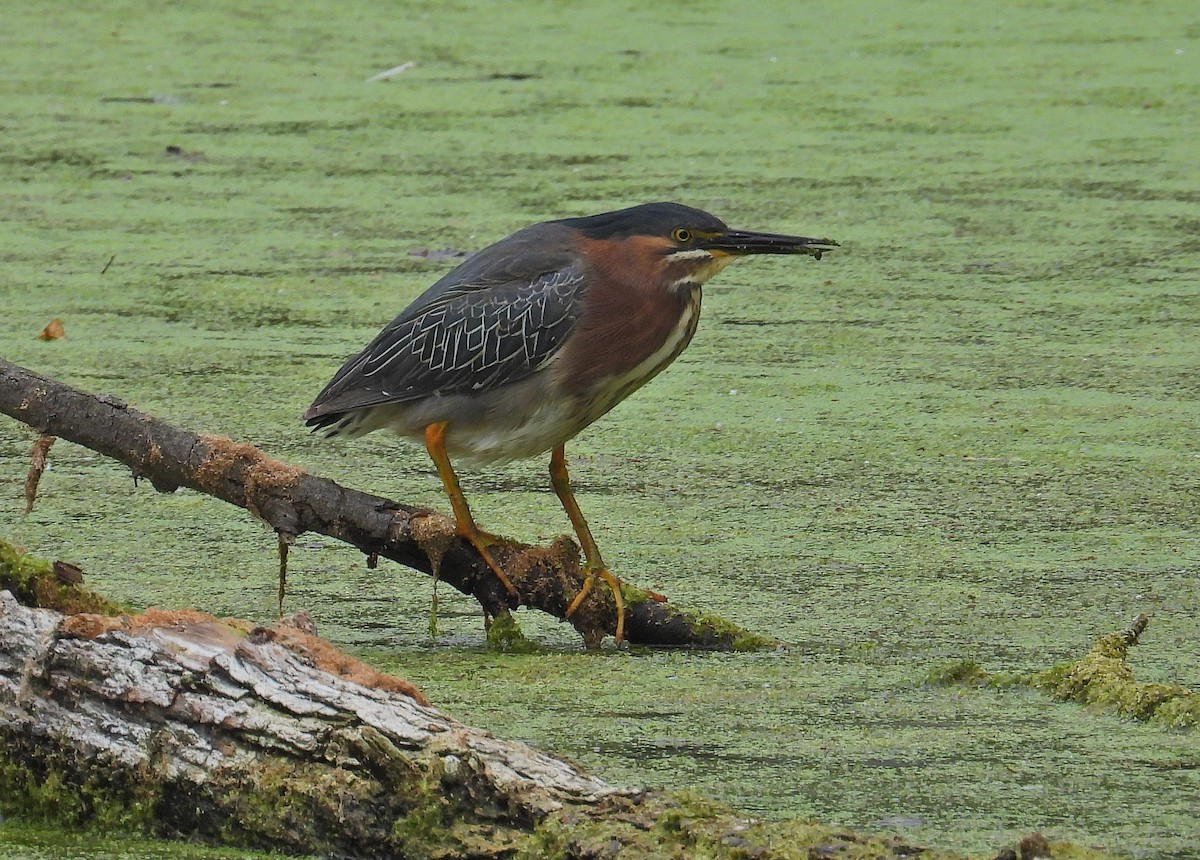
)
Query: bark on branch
[{"x": 292, "y": 502}]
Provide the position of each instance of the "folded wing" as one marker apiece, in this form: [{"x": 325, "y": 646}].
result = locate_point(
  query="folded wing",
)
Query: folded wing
[{"x": 473, "y": 334}]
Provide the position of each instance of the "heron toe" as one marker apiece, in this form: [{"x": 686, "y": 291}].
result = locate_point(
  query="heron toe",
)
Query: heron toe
[{"x": 614, "y": 585}]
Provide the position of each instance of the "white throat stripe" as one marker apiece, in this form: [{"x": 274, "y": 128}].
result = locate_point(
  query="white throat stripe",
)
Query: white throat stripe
[{"x": 690, "y": 254}]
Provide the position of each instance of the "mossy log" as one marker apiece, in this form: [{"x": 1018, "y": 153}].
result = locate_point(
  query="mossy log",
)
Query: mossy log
[
  {"x": 292, "y": 502},
  {"x": 177, "y": 723},
  {"x": 182, "y": 725}
]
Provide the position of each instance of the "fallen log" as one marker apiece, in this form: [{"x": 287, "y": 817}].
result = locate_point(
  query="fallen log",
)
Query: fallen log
[
  {"x": 179, "y": 724},
  {"x": 292, "y": 502},
  {"x": 182, "y": 725}
]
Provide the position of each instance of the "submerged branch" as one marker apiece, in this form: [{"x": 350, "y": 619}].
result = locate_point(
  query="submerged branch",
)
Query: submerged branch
[
  {"x": 292, "y": 502},
  {"x": 1101, "y": 678}
]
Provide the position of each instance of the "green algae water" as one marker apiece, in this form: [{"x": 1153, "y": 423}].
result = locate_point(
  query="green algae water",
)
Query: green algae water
[{"x": 970, "y": 434}]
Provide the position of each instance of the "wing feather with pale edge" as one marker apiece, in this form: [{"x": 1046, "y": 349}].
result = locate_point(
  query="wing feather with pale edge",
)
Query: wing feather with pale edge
[{"x": 469, "y": 335}]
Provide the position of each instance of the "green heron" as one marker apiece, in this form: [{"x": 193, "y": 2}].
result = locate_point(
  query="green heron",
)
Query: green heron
[{"x": 535, "y": 337}]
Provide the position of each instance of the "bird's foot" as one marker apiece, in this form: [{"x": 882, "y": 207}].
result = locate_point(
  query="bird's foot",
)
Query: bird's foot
[{"x": 614, "y": 585}]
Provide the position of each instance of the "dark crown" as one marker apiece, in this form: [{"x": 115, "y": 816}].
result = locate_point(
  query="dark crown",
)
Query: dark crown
[{"x": 649, "y": 219}]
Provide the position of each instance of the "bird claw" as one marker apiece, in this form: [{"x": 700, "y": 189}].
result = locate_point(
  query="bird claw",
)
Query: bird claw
[{"x": 614, "y": 585}]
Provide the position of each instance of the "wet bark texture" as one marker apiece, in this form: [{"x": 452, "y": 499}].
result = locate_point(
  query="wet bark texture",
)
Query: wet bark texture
[
  {"x": 180, "y": 724},
  {"x": 292, "y": 502}
]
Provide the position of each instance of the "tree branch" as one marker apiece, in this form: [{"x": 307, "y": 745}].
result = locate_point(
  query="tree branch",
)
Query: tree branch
[{"x": 292, "y": 502}]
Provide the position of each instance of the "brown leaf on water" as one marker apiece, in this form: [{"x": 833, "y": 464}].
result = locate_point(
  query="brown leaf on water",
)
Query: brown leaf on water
[
  {"x": 37, "y": 465},
  {"x": 438, "y": 253},
  {"x": 53, "y": 331},
  {"x": 67, "y": 573},
  {"x": 174, "y": 151}
]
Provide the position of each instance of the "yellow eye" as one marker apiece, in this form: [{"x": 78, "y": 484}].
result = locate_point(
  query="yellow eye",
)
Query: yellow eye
[{"x": 682, "y": 236}]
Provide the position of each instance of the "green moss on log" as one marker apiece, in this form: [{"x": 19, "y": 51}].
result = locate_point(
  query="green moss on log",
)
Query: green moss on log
[
  {"x": 44, "y": 782},
  {"x": 35, "y": 583},
  {"x": 504, "y": 634},
  {"x": 436, "y": 810},
  {"x": 715, "y": 629}
]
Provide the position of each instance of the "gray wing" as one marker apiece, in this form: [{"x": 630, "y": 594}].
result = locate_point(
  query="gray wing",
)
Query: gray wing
[{"x": 466, "y": 337}]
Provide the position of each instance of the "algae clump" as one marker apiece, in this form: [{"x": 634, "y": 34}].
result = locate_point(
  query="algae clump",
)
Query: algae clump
[{"x": 1102, "y": 678}]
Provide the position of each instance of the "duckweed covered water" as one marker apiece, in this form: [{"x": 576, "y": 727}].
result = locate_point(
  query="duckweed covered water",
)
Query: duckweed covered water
[{"x": 971, "y": 434}]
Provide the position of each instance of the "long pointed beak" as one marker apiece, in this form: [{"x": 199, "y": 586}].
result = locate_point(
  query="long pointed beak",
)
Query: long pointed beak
[{"x": 742, "y": 242}]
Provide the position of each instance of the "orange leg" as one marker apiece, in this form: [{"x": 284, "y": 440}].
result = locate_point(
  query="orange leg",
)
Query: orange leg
[
  {"x": 435, "y": 444},
  {"x": 561, "y": 481}
]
